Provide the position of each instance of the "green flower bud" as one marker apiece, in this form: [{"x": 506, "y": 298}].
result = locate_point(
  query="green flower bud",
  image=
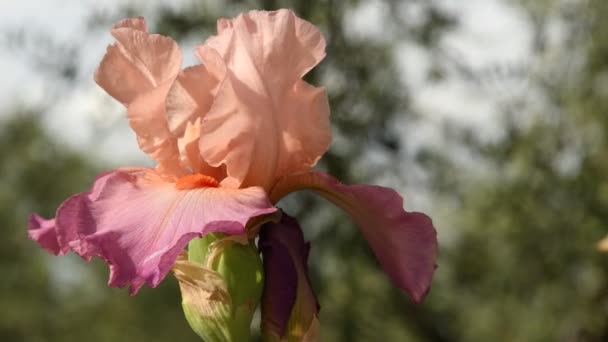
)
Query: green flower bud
[{"x": 221, "y": 283}]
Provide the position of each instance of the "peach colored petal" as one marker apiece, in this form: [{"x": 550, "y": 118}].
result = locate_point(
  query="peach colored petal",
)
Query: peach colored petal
[
  {"x": 136, "y": 23},
  {"x": 138, "y": 61},
  {"x": 265, "y": 121},
  {"x": 147, "y": 117},
  {"x": 192, "y": 95},
  {"x": 188, "y": 145},
  {"x": 138, "y": 70},
  {"x": 189, "y": 99}
]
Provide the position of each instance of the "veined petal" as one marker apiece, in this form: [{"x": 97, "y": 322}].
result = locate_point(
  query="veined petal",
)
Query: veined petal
[
  {"x": 147, "y": 117},
  {"x": 289, "y": 304},
  {"x": 138, "y": 70},
  {"x": 281, "y": 46},
  {"x": 188, "y": 101},
  {"x": 405, "y": 243},
  {"x": 190, "y": 154},
  {"x": 139, "y": 223},
  {"x": 263, "y": 113},
  {"x": 192, "y": 94},
  {"x": 138, "y": 62}
]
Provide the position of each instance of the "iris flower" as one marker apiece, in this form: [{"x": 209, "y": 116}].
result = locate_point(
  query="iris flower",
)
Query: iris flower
[{"x": 231, "y": 136}]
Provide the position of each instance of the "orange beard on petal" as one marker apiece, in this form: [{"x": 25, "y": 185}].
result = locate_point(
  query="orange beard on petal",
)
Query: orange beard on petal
[{"x": 196, "y": 180}]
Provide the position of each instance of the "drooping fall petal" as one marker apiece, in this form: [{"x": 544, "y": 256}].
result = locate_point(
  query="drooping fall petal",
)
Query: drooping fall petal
[
  {"x": 139, "y": 223},
  {"x": 43, "y": 231},
  {"x": 289, "y": 304},
  {"x": 265, "y": 122},
  {"x": 405, "y": 243},
  {"x": 138, "y": 70}
]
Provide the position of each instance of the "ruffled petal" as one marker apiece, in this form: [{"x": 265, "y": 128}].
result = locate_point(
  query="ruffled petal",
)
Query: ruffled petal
[
  {"x": 138, "y": 70},
  {"x": 265, "y": 122},
  {"x": 139, "y": 223},
  {"x": 289, "y": 304},
  {"x": 192, "y": 95},
  {"x": 405, "y": 243},
  {"x": 147, "y": 117},
  {"x": 189, "y": 99},
  {"x": 42, "y": 231},
  {"x": 138, "y": 62},
  {"x": 281, "y": 46}
]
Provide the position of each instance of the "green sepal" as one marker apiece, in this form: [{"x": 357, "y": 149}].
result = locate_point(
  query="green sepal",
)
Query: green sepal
[{"x": 221, "y": 283}]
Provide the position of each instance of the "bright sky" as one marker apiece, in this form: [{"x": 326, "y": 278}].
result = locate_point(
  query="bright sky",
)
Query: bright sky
[{"x": 491, "y": 30}]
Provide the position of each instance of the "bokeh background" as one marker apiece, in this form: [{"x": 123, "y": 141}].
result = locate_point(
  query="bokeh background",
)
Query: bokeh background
[{"x": 489, "y": 115}]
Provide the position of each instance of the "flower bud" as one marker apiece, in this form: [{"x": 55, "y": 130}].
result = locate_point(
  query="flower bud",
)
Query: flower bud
[
  {"x": 289, "y": 304},
  {"x": 221, "y": 283}
]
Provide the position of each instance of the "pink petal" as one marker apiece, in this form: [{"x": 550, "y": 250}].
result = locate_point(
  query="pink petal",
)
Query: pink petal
[
  {"x": 139, "y": 223},
  {"x": 138, "y": 70},
  {"x": 265, "y": 121},
  {"x": 405, "y": 243},
  {"x": 43, "y": 231}
]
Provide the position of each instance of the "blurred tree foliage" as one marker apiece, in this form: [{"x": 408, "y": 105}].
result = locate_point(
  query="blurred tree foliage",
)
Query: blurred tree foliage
[
  {"x": 525, "y": 266},
  {"x": 44, "y": 298},
  {"x": 522, "y": 266}
]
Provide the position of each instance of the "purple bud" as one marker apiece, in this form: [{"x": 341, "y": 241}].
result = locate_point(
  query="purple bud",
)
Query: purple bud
[{"x": 289, "y": 305}]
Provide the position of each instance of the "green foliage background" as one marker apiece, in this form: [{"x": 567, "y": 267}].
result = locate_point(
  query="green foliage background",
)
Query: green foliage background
[{"x": 520, "y": 263}]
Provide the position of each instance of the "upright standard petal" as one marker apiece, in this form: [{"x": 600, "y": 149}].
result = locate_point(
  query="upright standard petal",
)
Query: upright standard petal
[
  {"x": 138, "y": 70},
  {"x": 188, "y": 101},
  {"x": 138, "y": 62},
  {"x": 405, "y": 243},
  {"x": 289, "y": 305},
  {"x": 193, "y": 93},
  {"x": 263, "y": 113},
  {"x": 139, "y": 223}
]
